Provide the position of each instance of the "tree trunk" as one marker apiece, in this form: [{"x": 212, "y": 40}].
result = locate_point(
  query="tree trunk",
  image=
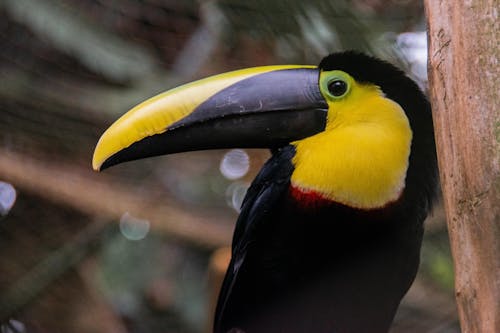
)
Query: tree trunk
[{"x": 464, "y": 85}]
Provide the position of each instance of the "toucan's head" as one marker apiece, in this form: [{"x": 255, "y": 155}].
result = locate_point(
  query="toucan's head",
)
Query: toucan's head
[{"x": 362, "y": 130}]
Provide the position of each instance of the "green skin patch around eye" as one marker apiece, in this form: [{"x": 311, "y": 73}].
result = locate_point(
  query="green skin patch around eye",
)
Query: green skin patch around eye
[{"x": 327, "y": 77}]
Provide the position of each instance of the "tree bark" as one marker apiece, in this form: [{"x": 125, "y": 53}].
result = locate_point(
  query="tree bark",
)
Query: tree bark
[{"x": 464, "y": 39}]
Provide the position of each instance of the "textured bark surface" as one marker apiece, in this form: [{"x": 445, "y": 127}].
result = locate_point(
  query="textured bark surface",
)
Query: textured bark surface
[{"x": 464, "y": 39}]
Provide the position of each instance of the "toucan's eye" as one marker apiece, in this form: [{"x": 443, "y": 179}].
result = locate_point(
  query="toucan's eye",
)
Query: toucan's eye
[{"x": 337, "y": 87}]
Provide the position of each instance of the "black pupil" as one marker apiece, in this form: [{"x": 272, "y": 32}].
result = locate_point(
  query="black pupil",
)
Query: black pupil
[{"x": 337, "y": 87}]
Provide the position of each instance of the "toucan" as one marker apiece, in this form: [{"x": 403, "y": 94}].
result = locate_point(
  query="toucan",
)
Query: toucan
[{"x": 329, "y": 234}]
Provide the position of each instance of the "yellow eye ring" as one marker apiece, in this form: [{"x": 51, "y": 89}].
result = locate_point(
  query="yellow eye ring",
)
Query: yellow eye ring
[{"x": 335, "y": 84}]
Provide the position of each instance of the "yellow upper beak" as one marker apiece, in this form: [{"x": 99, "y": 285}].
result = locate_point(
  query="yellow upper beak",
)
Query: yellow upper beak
[{"x": 158, "y": 114}]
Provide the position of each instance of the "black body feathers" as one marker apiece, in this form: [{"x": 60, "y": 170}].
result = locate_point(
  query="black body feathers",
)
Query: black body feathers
[{"x": 330, "y": 268}]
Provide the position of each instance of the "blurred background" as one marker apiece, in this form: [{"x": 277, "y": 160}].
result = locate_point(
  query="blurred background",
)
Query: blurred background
[{"x": 142, "y": 246}]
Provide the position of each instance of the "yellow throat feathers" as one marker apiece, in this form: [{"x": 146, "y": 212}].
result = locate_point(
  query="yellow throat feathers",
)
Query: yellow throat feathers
[{"x": 361, "y": 158}]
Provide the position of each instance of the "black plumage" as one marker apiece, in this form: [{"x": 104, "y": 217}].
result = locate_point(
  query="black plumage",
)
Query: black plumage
[
  {"x": 329, "y": 267},
  {"x": 302, "y": 262}
]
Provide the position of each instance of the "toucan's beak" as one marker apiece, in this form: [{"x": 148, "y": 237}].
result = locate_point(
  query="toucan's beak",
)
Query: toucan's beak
[{"x": 262, "y": 107}]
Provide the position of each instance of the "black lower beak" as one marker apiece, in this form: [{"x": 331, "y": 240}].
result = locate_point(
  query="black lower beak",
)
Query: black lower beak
[{"x": 264, "y": 107}]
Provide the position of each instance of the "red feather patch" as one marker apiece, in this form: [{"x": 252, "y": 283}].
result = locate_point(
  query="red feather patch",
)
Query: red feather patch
[{"x": 308, "y": 198}]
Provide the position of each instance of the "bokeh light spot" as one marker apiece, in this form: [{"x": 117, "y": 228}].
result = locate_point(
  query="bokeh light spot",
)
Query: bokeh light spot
[
  {"x": 13, "y": 326},
  {"x": 133, "y": 228},
  {"x": 235, "y": 194},
  {"x": 413, "y": 46},
  {"x": 7, "y": 198},
  {"x": 235, "y": 164}
]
